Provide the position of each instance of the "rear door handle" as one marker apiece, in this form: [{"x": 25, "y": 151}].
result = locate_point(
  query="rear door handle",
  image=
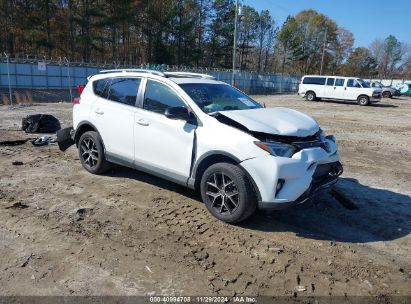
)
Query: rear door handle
[
  {"x": 99, "y": 112},
  {"x": 143, "y": 122}
]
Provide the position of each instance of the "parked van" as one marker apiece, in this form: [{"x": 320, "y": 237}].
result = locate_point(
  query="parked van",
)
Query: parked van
[{"x": 314, "y": 87}]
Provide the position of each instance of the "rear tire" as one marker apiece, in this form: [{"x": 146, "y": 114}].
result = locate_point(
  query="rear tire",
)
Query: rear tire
[
  {"x": 363, "y": 100},
  {"x": 227, "y": 193},
  {"x": 310, "y": 96},
  {"x": 91, "y": 153},
  {"x": 387, "y": 94}
]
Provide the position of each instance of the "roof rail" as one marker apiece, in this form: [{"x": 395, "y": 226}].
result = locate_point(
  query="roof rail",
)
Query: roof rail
[
  {"x": 188, "y": 75},
  {"x": 158, "y": 73}
]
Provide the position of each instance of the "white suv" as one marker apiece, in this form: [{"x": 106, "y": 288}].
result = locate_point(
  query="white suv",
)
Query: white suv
[
  {"x": 203, "y": 134},
  {"x": 314, "y": 87}
]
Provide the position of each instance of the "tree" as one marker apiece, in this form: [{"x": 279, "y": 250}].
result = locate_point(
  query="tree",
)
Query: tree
[
  {"x": 264, "y": 25},
  {"x": 287, "y": 41},
  {"x": 388, "y": 55},
  {"x": 360, "y": 63},
  {"x": 341, "y": 48}
]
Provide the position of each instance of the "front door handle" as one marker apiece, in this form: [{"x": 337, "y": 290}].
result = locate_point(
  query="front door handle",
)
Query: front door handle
[
  {"x": 99, "y": 112},
  {"x": 143, "y": 122}
]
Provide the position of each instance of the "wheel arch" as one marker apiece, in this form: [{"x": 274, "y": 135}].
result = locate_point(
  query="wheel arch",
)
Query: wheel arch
[
  {"x": 84, "y": 127},
  {"x": 213, "y": 157}
]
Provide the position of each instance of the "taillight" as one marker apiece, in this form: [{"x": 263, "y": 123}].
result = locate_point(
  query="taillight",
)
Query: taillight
[
  {"x": 76, "y": 101},
  {"x": 80, "y": 89}
]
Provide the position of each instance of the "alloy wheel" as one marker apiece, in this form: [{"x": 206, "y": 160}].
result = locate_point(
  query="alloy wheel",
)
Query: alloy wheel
[
  {"x": 222, "y": 193},
  {"x": 89, "y": 152}
]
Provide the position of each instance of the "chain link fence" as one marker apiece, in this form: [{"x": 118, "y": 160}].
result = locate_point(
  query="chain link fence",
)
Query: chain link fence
[{"x": 25, "y": 73}]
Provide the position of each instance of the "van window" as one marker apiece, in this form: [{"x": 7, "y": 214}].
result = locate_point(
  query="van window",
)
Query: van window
[
  {"x": 339, "y": 82},
  {"x": 314, "y": 80},
  {"x": 330, "y": 81},
  {"x": 352, "y": 83}
]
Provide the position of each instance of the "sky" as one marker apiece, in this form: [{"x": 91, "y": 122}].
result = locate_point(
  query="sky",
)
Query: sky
[{"x": 366, "y": 19}]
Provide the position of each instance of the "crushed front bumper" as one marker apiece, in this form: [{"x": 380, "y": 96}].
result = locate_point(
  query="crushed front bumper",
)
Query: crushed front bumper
[
  {"x": 324, "y": 177},
  {"x": 282, "y": 182}
]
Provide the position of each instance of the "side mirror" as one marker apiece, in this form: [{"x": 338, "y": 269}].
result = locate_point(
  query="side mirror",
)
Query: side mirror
[{"x": 177, "y": 113}]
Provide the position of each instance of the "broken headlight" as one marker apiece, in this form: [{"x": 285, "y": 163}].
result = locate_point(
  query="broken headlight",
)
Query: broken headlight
[{"x": 277, "y": 148}]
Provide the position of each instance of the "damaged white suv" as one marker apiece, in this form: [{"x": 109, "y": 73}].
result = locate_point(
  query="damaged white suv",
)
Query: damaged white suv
[{"x": 206, "y": 135}]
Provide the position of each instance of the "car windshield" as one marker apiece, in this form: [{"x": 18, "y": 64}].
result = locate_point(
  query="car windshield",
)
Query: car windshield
[
  {"x": 363, "y": 83},
  {"x": 218, "y": 97}
]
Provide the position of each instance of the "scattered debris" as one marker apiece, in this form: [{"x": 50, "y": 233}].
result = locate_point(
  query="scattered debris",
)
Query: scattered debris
[
  {"x": 84, "y": 212},
  {"x": 43, "y": 141},
  {"x": 17, "y": 205},
  {"x": 300, "y": 288},
  {"x": 42, "y": 123},
  {"x": 17, "y": 163},
  {"x": 148, "y": 268},
  {"x": 27, "y": 260},
  {"x": 17, "y": 142},
  {"x": 65, "y": 138}
]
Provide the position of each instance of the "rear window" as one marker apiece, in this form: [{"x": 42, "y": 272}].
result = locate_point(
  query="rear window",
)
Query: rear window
[{"x": 314, "y": 80}]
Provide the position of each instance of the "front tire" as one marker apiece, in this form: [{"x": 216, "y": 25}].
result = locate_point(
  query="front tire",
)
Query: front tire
[
  {"x": 227, "y": 193},
  {"x": 91, "y": 153},
  {"x": 310, "y": 96},
  {"x": 363, "y": 100},
  {"x": 387, "y": 94}
]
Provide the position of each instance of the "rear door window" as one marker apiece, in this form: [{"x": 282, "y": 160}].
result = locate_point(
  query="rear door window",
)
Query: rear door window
[
  {"x": 124, "y": 90},
  {"x": 339, "y": 82},
  {"x": 314, "y": 80},
  {"x": 330, "y": 81}
]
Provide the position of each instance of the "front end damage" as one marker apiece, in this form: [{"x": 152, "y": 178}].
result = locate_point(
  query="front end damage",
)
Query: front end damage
[{"x": 285, "y": 181}]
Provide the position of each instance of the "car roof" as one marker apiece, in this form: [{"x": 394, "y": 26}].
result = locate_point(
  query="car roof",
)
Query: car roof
[
  {"x": 332, "y": 76},
  {"x": 176, "y": 77}
]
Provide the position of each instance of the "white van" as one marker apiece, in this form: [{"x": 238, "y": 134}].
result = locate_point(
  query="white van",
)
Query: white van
[{"x": 315, "y": 87}]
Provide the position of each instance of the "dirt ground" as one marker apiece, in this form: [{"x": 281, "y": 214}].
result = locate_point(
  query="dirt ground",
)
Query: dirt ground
[{"x": 64, "y": 231}]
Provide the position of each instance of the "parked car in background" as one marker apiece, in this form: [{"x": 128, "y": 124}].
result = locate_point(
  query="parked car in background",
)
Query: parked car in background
[
  {"x": 404, "y": 88},
  {"x": 206, "y": 135},
  {"x": 315, "y": 87},
  {"x": 387, "y": 91}
]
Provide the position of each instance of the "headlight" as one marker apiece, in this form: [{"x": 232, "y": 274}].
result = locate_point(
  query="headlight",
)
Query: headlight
[{"x": 276, "y": 148}]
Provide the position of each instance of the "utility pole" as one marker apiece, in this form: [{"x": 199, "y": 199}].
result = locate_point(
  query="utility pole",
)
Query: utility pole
[
  {"x": 322, "y": 57},
  {"x": 235, "y": 42},
  {"x": 8, "y": 79}
]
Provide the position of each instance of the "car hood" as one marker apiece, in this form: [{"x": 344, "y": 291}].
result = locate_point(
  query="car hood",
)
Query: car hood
[{"x": 278, "y": 121}]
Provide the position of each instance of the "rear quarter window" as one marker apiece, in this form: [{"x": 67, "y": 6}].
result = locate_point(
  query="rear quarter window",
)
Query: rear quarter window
[
  {"x": 314, "y": 80},
  {"x": 99, "y": 86}
]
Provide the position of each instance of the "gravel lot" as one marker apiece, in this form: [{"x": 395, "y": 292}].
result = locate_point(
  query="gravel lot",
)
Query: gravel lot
[{"x": 64, "y": 231}]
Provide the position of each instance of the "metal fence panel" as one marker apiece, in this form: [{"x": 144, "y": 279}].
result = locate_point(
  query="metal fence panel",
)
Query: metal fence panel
[{"x": 49, "y": 75}]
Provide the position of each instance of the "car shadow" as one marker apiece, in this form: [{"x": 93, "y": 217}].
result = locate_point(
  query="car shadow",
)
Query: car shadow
[
  {"x": 353, "y": 103},
  {"x": 125, "y": 172},
  {"x": 380, "y": 215}
]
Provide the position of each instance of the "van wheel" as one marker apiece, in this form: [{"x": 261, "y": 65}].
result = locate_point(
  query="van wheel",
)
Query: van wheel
[
  {"x": 387, "y": 94},
  {"x": 91, "y": 153},
  {"x": 363, "y": 100},
  {"x": 227, "y": 193},
  {"x": 310, "y": 96}
]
